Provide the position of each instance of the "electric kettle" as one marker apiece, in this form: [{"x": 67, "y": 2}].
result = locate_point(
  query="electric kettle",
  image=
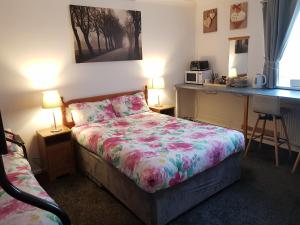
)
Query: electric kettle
[{"x": 260, "y": 80}]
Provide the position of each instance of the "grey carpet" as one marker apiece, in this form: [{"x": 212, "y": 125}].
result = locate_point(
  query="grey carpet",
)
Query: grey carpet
[{"x": 265, "y": 195}]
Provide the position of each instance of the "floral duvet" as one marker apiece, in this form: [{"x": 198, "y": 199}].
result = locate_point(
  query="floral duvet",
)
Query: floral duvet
[
  {"x": 158, "y": 151},
  {"x": 14, "y": 212}
]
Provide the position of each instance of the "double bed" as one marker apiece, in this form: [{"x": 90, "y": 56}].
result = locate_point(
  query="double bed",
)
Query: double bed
[{"x": 158, "y": 166}]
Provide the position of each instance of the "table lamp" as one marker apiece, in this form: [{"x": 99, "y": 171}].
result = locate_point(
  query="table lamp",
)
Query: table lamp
[
  {"x": 232, "y": 72},
  {"x": 52, "y": 100},
  {"x": 157, "y": 83}
]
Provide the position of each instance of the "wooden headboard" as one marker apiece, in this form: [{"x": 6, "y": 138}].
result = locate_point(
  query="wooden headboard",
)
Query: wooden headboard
[{"x": 66, "y": 104}]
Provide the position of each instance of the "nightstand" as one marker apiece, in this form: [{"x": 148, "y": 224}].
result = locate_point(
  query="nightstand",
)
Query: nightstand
[
  {"x": 164, "y": 109},
  {"x": 57, "y": 155}
]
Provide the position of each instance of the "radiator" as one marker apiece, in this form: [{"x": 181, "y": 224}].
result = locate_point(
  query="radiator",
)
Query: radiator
[{"x": 292, "y": 120}]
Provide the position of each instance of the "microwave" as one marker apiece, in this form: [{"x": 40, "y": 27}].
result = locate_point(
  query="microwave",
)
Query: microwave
[
  {"x": 197, "y": 77},
  {"x": 199, "y": 65}
]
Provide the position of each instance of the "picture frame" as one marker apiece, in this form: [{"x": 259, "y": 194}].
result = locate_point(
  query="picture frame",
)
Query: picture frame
[
  {"x": 210, "y": 20},
  {"x": 106, "y": 34},
  {"x": 241, "y": 46},
  {"x": 238, "y": 16}
]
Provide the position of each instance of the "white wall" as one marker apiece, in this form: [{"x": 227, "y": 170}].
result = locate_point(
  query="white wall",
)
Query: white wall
[
  {"x": 215, "y": 46},
  {"x": 37, "y": 53},
  {"x": 224, "y": 109}
]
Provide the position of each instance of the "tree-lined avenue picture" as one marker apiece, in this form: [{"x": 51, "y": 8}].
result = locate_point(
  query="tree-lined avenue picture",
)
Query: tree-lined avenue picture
[{"x": 103, "y": 34}]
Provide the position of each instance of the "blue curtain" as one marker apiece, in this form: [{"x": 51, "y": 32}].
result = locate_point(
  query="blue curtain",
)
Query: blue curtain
[{"x": 279, "y": 17}]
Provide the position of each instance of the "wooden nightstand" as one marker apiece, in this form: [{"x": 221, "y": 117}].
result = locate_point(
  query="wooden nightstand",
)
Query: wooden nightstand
[
  {"x": 165, "y": 109},
  {"x": 56, "y": 152}
]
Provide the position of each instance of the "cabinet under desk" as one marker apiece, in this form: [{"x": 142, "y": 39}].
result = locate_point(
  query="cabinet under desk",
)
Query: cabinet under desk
[{"x": 183, "y": 97}]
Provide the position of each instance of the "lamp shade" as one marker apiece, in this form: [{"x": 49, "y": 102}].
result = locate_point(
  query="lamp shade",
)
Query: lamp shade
[
  {"x": 51, "y": 99},
  {"x": 157, "y": 83},
  {"x": 232, "y": 72}
]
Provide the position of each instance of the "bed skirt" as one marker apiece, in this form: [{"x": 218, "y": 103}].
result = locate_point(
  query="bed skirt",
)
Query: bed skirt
[{"x": 162, "y": 206}]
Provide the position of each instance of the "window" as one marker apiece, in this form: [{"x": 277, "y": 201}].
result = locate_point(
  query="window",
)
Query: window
[{"x": 289, "y": 65}]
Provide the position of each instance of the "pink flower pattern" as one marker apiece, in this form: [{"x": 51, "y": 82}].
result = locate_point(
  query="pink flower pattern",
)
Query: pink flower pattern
[
  {"x": 152, "y": 178},
  {"x": 93, "y": 141},
  {"x": 186, "y": 163},
  {"x": 130, "y": 104},
  {"x": 91, "y": 112},
  {"x": 217, "y": 154},
  {"x": 172, "y": 126},
  {"x": 13, "y": 211},
  {"x": 121, "y": 123},
  {"x": 203, "y": 134},
  {"x": 176, "y": 179},
  {"x": 158, "y": 151},
  {"x": 150, "y": 124},
  {"x": 148, "y": 139},
  {"x": 180, "y": 146},
  {"x": 110, "y": 143},
  {"x": 132, "y": 159}
]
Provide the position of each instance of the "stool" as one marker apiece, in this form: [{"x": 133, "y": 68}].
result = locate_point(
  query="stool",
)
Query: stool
[
  {"x": 269, "y": 109},
  {"x": 296, "y": 163}
]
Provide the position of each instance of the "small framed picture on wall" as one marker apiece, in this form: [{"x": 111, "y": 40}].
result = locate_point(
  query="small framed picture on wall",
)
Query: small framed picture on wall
[
  {"x": 210, "y": 20},
  {"x": 238, "y": 16},
  {"x": 241, "y": 46}
]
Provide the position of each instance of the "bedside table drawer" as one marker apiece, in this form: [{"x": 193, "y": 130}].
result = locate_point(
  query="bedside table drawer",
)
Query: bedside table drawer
[
  {"x": 167, "y": 109},
  {"x": 60, "y": 152},
  {"x": 53, "y": 140},
  {"x": 60, "y": 156},
  {"x": 169, "y": 112}
]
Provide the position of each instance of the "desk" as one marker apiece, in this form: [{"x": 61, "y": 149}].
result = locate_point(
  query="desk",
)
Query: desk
[{"x": 245, "y": 92}]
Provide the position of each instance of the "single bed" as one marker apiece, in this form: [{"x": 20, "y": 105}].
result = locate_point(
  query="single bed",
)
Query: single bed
[{"x": 158, "y": 166}]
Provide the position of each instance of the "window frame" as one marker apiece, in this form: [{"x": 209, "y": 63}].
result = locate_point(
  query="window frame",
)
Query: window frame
[{"x": 296, "y": 16}]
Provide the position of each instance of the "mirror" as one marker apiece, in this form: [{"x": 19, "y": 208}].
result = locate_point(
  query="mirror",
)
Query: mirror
[{"x": 238, "y": 56}]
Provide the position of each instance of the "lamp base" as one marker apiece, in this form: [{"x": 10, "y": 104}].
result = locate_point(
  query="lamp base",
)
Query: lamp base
[
  {"x": 158, "y": 102},
  {"x": 55, "y": 130}
]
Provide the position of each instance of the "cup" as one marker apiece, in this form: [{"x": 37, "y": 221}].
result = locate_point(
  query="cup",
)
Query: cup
[{"x": 206, "y": 81}]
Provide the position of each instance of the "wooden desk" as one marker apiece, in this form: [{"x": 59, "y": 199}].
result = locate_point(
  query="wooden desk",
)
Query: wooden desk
[{"x": 245, "y": 92}]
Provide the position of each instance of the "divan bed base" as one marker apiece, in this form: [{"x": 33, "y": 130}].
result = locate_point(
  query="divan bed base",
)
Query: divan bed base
[{"x": 162, "y": 206}]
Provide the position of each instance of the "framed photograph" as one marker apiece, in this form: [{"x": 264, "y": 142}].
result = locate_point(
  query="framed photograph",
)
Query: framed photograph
[
  {"x": 210, "y": 20},
  {"x": 241, "y": 46},
  {"x": 104, "y": 34},
  {"x": 238, "y": 15}
]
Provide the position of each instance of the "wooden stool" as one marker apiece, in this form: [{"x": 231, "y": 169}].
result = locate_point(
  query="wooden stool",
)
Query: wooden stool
[
  {"x": 269, "y": 109},
  {"x": 296, "y": 163}
]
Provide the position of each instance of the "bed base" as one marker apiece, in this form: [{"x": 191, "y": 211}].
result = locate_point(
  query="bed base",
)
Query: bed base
[{"x": 160, "y": 207}]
